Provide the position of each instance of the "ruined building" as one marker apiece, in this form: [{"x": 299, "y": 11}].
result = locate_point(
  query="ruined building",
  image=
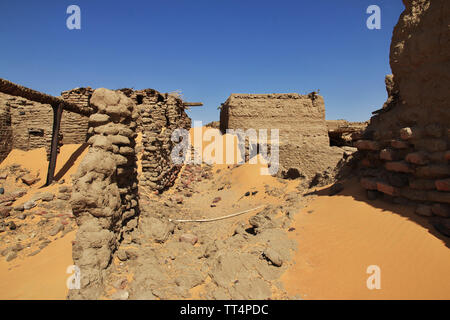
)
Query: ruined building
[
  {"x": 304, "y": 145},
  {"x": 406, "y": 147},
  {"x": 26, "y": 124}
]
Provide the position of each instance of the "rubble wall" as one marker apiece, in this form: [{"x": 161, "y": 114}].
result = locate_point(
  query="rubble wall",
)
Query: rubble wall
[
  {"x": 159, "y": 115},
  {"x": 105, "y": 189},
  {"x": 406, "y": 145}
]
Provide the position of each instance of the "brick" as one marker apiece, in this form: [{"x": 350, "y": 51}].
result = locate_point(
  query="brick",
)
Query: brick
[
  {"x": 416, "y": 195},
  {"x": 397, "y": 144},
  {"x": 437, "y": 196},
  {"x": 443, "y": 185},
  {"x": 369, "y": 183},
  {"x": 434, "y": 171},
  {"x": 447, "y": 155},
  {"x": 367, "y": 145},
  {"x": 387, "y": 154},
  {"x": 431, "y": 145},
  {"x": 410, "y": 133},
  {"x": 419, "y": 158},
  {"x": 424, "y": 210},
  {"x": 422, "y": 184},
  {"x": 398, "y": 166},
  {"x": 441, "y": 210},
  {"x": 387, "y": 189}
]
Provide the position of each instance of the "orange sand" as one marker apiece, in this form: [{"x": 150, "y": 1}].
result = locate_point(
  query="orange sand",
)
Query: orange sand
[
  {"x": 42, "y": 276},
  {"x": 339, "y": 237}
]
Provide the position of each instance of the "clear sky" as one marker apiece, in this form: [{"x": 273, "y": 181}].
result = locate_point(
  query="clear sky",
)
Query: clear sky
[{"x": 208, "y": 49}]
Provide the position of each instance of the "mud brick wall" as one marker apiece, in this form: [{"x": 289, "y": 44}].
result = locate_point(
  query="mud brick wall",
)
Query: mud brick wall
[
  {"x": 304, "y": 142},
  {"x": 74, "y": 126},
  {"x": 406, "y": 145},
  {"x": 5, "y": 131},
  {"x": 31, "y": 123},
  {"x": 105, "y": 189},
  {"x": 160, "y": 114}
]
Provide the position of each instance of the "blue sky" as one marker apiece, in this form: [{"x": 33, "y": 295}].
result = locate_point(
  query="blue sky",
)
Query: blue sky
[{"x": 206, "y": 48}]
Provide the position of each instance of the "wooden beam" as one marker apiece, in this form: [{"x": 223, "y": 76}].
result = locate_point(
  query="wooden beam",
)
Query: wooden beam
[
  {"x": 192, "y": 104},
  {"x": 13, "y": 89},
  {"x": 57, "y": 114}
]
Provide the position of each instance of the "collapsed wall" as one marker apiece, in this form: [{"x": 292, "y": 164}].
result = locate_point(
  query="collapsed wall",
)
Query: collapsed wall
[
  {"x": 406, "y": 145},
  {"x": 105, "y": 189},
  {"x": 304, "y": 146},
  {"x": 345, "y": 133},
  {"x": 160, "y": 114}
]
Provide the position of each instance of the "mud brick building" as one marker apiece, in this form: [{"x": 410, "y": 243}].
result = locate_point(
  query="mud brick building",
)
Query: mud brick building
[{"x": 304, "y": 146}]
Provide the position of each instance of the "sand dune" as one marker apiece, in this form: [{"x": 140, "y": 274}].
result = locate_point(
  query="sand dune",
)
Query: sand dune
[{"x": 339, "y": 237}]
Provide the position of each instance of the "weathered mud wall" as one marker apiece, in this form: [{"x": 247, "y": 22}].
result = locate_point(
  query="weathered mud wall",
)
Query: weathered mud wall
[
  {"x": 31, "y": 122},
  {"x": 74, "y": 126},
  {"x": 304, "y": 143},
  {"x": 5, "y": 131},
  {"x": 104, "y": 198},
  {"x": 406, "y": 146},
  {"x": 160, "y": 114}
]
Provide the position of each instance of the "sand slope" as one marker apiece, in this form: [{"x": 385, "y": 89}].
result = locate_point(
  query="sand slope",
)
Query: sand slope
[
  {"x": 339, "y": 237},
  {"x": 42, "y": 276}
]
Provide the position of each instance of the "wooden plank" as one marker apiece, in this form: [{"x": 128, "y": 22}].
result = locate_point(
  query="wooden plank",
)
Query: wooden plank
[
  {"x": 57, "y": 114},
  {"x": 193, "y": 104}
]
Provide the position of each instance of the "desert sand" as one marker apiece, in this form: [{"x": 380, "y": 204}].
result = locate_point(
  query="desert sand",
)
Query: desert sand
[{"x": 338, "y": 237}]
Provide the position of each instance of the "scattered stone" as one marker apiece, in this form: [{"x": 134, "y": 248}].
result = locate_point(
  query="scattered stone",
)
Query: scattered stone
[
  {"x": 189, "y": 238},
  {"x": 5, "y": 212},
  {"x": 216, "y": 199},
  {"x": 2, "y": 190},
  {"x": 63, "y": 196},
  {"x": 122, "y": 255},
  {"x": 56, "y": 229},
  {"x": 273, "y": 257},
  {"x": 44, "y": 244},
  {"x": 47, "y": 196},
  {"x": 11, "y": 256},
  {"x": 247, "y": 194},
  {"x": 12, "y": 225},
  {"x": 29, "y": 180},
  {"x": 29, "y": 205},
  {"x": 120, "y": 295},
  {"x": 35, "y": 252}
]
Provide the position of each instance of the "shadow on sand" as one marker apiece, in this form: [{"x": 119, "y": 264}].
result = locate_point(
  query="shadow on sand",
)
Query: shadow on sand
[{"x": 351, "y": 188}]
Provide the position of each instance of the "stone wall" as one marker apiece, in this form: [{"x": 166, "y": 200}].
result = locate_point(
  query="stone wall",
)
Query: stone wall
[
  {"x": 304, "y": 143},
  {"x": 406, "y": 145},
  {"x": 160, "y": 114},
  {"x": 105, "y": 189}
]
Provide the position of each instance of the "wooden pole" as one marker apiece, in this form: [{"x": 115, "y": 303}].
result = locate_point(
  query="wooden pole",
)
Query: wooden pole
[{"x": 57, "y": 114}]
